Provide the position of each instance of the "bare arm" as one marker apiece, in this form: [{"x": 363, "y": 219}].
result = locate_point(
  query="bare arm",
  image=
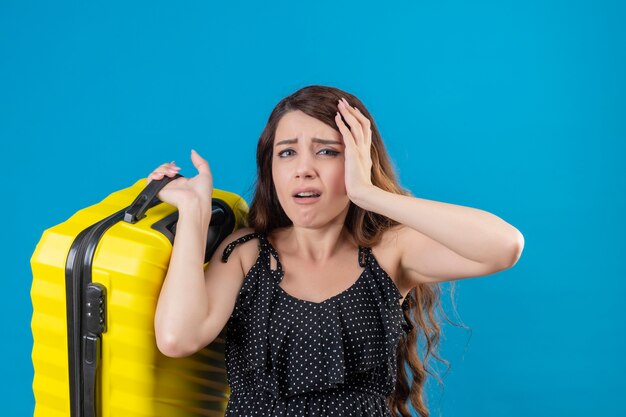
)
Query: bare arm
[
  {"x": 195, "y": 304},
  {"x": 182, "y": 304},
  {"x": 443, "y": 242},
  {"x": 439, "y": 241}
]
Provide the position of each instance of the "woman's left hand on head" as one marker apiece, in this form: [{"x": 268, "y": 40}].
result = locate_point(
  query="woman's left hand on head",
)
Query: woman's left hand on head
[{"x": 357, "y": 137}]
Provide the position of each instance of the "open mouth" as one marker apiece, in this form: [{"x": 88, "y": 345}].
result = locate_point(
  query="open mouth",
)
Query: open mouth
[{"x": 307, "y": 197}]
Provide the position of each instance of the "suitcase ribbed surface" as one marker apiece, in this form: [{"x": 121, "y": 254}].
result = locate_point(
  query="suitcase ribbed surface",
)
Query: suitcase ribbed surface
[{"x": 134, "y": 378}]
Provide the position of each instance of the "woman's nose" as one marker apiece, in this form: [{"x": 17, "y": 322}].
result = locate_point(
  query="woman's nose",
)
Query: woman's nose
[{"x": 305, "y": 166}]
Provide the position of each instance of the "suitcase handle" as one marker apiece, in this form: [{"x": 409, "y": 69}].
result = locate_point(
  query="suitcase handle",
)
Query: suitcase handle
[{"x": 136, "y": 211}]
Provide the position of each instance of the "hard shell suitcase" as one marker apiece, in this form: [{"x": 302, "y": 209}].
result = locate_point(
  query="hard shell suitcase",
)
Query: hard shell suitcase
[{"x": 96, "y": 282}]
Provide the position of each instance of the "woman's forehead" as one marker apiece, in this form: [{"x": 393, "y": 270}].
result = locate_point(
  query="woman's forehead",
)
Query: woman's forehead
[{"x": 301, "y": 126}]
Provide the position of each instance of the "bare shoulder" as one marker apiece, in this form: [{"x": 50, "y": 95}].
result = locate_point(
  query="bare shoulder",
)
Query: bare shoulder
[
  {"x": 388, "y": 253},
  {"x": 245, "y": 252}
]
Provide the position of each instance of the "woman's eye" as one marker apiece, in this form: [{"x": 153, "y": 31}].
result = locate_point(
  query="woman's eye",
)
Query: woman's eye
[{"x": 329, "y": 152}]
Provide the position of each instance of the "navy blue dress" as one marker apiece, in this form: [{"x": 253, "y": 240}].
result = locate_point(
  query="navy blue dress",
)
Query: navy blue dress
[{"x": 291, "y": 357}]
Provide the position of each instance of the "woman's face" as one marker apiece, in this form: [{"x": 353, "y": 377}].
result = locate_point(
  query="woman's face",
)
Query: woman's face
[{"x": 308, "y": 153}]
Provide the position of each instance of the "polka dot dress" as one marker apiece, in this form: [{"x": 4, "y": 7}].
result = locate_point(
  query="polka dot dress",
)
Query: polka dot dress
[{"x": 291, "y": 357}]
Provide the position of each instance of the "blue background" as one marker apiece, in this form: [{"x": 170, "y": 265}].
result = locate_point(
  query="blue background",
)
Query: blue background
[{"x": 516, "y": 108}]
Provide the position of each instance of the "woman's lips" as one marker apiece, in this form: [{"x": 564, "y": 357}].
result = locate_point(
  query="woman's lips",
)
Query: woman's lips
[{"x": 306, "y": 200}]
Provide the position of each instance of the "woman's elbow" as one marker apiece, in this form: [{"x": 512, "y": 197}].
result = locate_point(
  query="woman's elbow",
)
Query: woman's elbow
[
  {"x": 169, "y": 345},
  {"x": 515, "y": 251}
]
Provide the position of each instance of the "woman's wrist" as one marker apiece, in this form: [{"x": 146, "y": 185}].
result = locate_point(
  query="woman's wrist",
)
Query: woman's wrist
[{"x": 194, "y": 208}]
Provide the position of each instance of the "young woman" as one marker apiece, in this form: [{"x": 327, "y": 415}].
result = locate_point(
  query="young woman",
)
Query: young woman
[{"x": 326, "y": 307}]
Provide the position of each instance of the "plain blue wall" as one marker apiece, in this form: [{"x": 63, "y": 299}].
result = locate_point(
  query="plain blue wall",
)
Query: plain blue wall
[{"x": 514, "y": 108}]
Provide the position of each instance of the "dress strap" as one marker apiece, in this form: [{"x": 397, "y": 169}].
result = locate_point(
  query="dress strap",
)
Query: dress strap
[
  {"x": 364, "y": 252},
  {"x": 266, "y": 247},
  {"x": 407, "y": 324},
  {"x": 229, "y": 248}
]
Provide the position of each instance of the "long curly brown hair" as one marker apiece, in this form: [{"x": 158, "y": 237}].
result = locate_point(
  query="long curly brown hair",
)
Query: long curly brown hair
[{"x": 422, "y": 301}]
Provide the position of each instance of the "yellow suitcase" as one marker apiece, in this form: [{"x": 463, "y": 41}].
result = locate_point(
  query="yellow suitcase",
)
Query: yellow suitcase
[{"x": 96, "y": 282}]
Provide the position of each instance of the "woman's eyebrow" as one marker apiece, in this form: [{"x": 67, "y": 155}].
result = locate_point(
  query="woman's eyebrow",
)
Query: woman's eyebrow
[{"x": 318, "y": 140}]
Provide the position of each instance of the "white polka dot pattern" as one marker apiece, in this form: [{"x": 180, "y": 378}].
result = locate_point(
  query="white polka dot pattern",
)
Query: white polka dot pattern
[{"x": 291, "y": 357}]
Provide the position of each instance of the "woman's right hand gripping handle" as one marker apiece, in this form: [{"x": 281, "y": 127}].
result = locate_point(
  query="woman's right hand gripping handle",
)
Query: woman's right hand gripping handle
[
  {"x": 182, "y": 304},
  {"x": 198, "y": 189}
]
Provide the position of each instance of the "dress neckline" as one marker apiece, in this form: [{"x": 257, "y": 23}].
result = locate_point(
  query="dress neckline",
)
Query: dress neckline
[
  {"x": 327, "y": 300},
  {"x": 362, "y": 259}
]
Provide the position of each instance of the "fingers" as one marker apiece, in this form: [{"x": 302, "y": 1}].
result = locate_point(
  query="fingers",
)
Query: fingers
[
  {"x": 169, "y": 169},
  {"x": 200, "y": 163},
  {"x": 365, "y": 122},
  {"x": 348, "y": 139},
  {"x": 349, "y": 114},
  {"x": 360, "y": 124}
]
